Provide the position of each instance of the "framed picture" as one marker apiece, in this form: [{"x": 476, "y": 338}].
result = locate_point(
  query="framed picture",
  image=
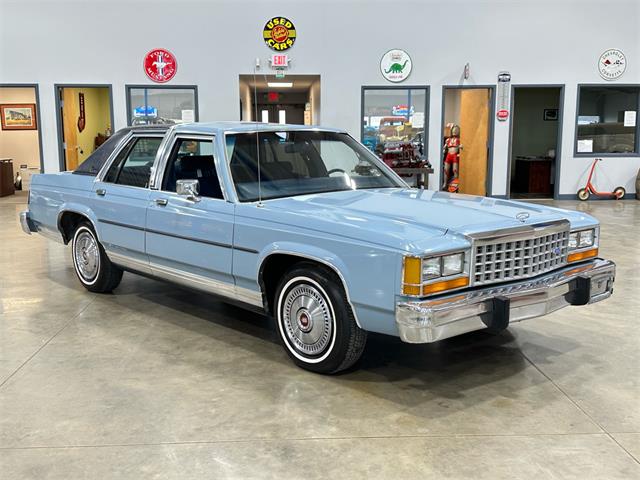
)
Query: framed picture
[
  {"x": 550, "y": 115},
  {"x": 18, "y": 116}
]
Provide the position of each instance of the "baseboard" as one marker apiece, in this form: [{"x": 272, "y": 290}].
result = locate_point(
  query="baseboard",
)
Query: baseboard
[{"x": 573, "y": 196}]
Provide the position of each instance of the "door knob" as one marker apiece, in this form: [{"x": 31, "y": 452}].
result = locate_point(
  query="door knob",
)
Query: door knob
[
  {"x": 101, "y": 191},
  {"x": 161, "y": 201}
]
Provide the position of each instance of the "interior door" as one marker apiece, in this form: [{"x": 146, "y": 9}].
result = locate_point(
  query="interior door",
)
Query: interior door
[
  {"x": 474, "y": 136},
  {"x": 69, "y": 129},
  {"x": 190, "y": 239}
]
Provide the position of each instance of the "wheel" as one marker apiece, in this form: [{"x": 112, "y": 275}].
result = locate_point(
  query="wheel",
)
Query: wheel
[
  {"x": 619, "y": 192},
  {"x": 314, "y": 320},
  {"x": 93, "y": 268},
  {"x": 583, "y": 194}
]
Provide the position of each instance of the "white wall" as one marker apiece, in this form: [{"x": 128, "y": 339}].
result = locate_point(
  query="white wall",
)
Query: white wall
[{"x": 543, "y": 41}]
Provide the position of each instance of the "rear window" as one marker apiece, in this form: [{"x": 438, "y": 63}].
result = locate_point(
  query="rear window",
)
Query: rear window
[{"x": 95, "y": 161}]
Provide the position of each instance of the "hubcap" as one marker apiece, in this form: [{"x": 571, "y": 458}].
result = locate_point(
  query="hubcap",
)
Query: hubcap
[
  {"x": 306, "y": 319},
  {"x": 87, "y": 256}
]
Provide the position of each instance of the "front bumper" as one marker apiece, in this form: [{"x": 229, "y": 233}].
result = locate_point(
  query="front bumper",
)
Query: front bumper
[
  {"x": 427, "y": 321},
  {"x": 27, "y": 224}
]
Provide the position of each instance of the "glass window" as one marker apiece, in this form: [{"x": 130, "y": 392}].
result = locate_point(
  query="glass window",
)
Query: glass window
[
  {"x": 193, "y": 160},
  {"x": 133, "y": 164},
  {"x": 607, "y": 120},
  {"x": 300, "y": 163},
  {"x": 394, "y": 122},
  {"x": 161, "y": 105}
]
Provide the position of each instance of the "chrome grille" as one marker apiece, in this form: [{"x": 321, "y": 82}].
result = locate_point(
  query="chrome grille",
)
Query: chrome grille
[{"x": 519, "y": 256}]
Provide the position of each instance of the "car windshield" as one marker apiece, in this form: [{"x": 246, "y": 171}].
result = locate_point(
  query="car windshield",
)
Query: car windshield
[{"x": 302, "y": 162}]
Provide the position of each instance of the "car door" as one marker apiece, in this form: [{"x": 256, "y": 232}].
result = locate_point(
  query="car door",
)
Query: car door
[
  {"x": 189, "y": 240},
  {"x": 121, "y": 198}
]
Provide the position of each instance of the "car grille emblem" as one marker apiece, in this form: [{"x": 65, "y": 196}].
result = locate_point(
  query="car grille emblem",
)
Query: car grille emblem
[{"x": 522, "y": 216}]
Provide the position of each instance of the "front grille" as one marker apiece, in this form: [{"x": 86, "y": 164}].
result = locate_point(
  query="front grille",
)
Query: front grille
[{"x": 513, "y": 258}]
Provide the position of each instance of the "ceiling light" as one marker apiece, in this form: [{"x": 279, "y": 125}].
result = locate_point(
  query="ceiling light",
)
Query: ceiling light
[{"x": 280, "y": 84}]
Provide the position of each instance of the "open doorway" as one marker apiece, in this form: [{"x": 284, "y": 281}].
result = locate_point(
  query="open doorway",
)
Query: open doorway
[
  {"x": 467, "y": 123},
  {"x": 85, "y": 121},
  {"x": 294, "y": 99},
  {"x": 20, "y": 139},
  {"x": 535, "y": 141}
]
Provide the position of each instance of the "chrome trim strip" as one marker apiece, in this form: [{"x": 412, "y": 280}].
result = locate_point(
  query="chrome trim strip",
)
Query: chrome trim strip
[
  {"x": 319, "y": 260},
  {"x": 454, "y": 314},
  {"x": 521, "y": 232},
  {"x": 126, "y": 261},
  {"x": 191, "y": 280},
  {"x": 182, "y": 237}
]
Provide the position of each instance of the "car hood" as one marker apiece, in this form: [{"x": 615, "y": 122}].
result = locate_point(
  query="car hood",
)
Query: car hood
[{"x": 406, "y": 218}]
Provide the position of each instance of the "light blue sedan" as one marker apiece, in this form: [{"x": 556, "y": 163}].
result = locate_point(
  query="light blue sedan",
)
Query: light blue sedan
[{"x": 307, "y": 225}]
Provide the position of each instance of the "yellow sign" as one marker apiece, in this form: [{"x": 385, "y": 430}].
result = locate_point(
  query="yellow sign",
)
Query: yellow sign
[{"x": 279, "y": 34}]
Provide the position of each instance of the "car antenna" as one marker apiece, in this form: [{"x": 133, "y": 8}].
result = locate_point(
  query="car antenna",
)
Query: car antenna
[{"x": 256, "y": 66}]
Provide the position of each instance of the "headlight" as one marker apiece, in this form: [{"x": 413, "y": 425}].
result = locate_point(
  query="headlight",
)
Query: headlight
[
  {"x": 586, "y": 238},
  {"x": 427, "y": 275},
  {"x": 452, "y": 264},
  {"x": 430, "y": 268},
  {"x": 582, "y": 239},
  {"x": 583, "y": 244}
]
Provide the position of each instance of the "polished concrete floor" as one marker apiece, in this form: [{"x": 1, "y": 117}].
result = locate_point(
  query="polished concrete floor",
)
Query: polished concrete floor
[{"x": 159, "y": 382}]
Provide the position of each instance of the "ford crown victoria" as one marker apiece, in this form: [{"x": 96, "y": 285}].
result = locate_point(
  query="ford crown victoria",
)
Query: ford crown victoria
[{"x": 307, "y": 225}]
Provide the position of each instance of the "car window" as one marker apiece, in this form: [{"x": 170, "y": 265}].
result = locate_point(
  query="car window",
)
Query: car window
[
  {"x": 193, "y": 160},
  {"x": 133, "y": 164},
  {"x": 301, "y": 162}
]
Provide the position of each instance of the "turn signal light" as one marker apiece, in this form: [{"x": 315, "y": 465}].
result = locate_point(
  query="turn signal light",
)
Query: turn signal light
[
  {"x": 574, "y": 257},
  {"x": 445, "y": 285},
  {"x": 412, "y": 276}
]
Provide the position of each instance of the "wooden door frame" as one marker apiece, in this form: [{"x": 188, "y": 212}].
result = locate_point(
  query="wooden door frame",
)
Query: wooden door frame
[
  {"x": 56, "y": 92},
  {"x": 490, "y": 130},
  {"x": 36, "y": 88},
  {"x": 558, "y": 160}
]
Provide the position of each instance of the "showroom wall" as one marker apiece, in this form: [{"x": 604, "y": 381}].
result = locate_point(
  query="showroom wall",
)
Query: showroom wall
[{"x": 542, "y": 42}]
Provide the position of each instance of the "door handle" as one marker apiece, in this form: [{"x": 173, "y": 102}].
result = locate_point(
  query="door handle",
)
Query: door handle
[
  {"x": 101, "y": 191},
  {"x": 161, "y": 201}
]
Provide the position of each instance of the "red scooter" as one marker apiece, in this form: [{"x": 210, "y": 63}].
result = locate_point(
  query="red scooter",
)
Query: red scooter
[{"x": 585, "y": 193}]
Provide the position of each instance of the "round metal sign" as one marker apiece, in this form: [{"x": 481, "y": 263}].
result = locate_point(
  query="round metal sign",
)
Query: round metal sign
[
  {"x": 160, "y": 65},
  {"x": 395, "y": 65},
  {"x": 612, "y": 64},
  {"x": 279, "y": 34}
]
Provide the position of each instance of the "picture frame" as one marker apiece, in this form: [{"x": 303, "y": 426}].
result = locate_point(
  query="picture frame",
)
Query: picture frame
[
  {"x": 550, "y": 115},
  {"x": 18, "y": 116}
]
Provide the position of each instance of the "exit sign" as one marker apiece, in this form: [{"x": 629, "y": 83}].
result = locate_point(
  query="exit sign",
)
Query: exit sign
[{"x": 279, "y": 60}]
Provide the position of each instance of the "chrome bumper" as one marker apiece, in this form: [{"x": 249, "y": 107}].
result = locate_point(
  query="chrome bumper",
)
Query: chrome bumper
[
  {"x": 427, "y": 321},
  {"x": 26, "y": 223}
]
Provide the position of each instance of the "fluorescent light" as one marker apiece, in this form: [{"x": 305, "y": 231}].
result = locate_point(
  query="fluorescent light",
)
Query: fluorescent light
[{"x": 280, "y": 84}]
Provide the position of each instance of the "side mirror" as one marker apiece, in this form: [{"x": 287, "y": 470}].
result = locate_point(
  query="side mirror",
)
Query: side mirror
[{"x": 189, "y": 189}]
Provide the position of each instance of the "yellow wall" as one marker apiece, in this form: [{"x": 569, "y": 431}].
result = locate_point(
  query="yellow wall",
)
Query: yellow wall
[
  {"x": 97, "y": 116},
  {"x": 20, "y": 145}
]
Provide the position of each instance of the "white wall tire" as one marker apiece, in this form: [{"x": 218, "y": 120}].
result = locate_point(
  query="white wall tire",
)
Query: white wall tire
[
  {"x": 314, "y": 320},
  {"x": 90, "y": 262}
]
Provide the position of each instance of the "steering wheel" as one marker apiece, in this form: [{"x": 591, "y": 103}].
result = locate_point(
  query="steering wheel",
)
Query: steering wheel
[{"x": 335, "y": 170}]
